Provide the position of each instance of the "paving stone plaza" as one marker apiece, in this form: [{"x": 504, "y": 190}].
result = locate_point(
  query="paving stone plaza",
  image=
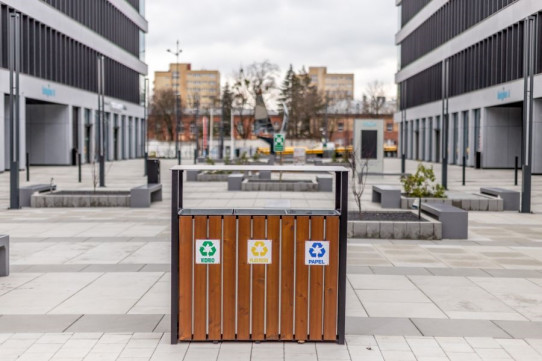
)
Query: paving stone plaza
[{"x": 94, "y": 284}]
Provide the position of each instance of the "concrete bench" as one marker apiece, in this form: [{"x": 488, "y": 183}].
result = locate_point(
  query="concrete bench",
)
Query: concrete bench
[
  {"x": 455, "y": 221},
  {"x": 387, "y": 196},
  {"x": 143, "y": 196},
  {"x": 511, "y": 199},
  {"x": 325, "y": 183},
  {"x": 25, "y": 193},
  {"x": 4, "y": 255},
  {"x": 192, "y": 175},
  {"x": 264, "y": 175},
  {"x": 235, "y": 181}
]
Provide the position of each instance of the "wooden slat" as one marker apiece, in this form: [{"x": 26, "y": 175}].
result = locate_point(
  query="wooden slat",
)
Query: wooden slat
[
  {"x": 200, "y": 285},
  {"x": 331, "y": 274},
  {"x": 243, "y": 288},
  {"x": 228, "y": 264},
  {"x": 316, "y": 284},
  {"x": 185, "y": 278},
  {"x": 302, "y": 273},
  {"x": 272, "y": 324},
  {"x": 258, "y": 284},
  {"x": 287, "y": 279},
  {"x": 215, "y": 279}
]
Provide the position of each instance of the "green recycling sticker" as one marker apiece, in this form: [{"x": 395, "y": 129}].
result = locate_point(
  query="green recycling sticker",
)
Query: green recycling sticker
[
  {"x": 278, "y": 142},
  {"x": 207, "y": 251}
]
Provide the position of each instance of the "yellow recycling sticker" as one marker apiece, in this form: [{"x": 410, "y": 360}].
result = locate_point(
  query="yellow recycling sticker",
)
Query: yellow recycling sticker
[{"x": 259, "y": 251}]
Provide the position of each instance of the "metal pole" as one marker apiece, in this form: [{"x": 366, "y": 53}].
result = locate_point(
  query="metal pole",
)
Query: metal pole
[
  {"x": 145, "y": 131},
  {"x": 343, "y": 223},
  {"x": 210, "y": 133},
  {"x": 180, "y": 129},
  {"x": 516, "y": 169},
  {"x": 79, "y": 166},
  {"x": 27, "y": 167},
  {"x": 403, "y": 130},
  {"x": 14, "y": 69},
  {"x": 445, "y": 77},
  {"x": 528, "y": 103},
  {"x": 176, "y": 193},
  {"x": 232, "y": 150},
  {"x": 101, "y": 123},
  {"x": 464, "y": 169},
  {"x": 221, "y": 129}
]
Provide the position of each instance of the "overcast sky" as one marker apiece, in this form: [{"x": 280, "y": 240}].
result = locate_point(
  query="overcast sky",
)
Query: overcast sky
[{"x": 353, "y": 36}]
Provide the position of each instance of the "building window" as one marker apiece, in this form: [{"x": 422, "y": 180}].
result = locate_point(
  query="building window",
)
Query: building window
[
  {"x": 340, "y": 127},
  {"x": 389, "y": 127}
]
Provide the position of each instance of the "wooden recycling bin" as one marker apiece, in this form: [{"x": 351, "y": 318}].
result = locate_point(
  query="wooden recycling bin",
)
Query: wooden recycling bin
[{"x": 258, "y": 274}]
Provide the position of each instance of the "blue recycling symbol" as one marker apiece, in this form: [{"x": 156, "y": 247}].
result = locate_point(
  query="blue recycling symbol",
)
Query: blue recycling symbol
[{"x": 314, "y": 249}]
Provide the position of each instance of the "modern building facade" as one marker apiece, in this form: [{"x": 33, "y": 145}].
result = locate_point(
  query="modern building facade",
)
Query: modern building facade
[
  {"x": 61, "y": 42},
  {"x": 201, "y": 85},
  {"x": 465, "y": 58},
  {"x": 336, "y": 86}
]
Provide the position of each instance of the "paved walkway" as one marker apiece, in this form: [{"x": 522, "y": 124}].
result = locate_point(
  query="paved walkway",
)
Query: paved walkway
[{"x": 93, "y": 284}]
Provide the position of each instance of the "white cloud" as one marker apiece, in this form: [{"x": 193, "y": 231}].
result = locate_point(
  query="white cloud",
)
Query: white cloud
[{"x": 345, "y": 35}]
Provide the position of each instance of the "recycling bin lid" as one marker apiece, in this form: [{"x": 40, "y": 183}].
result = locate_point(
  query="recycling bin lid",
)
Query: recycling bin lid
[
  {"x": 260, "y": 212},
  {"x": 312, "y": 212},
  {"x": 206, "y": 212}
]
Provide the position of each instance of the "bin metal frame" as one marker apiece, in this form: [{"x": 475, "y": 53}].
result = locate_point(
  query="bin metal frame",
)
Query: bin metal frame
[{"x": 341, "y": 209}]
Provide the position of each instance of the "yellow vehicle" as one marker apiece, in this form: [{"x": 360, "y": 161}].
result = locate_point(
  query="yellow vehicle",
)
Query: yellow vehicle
[{"x": 392, "y": 148}]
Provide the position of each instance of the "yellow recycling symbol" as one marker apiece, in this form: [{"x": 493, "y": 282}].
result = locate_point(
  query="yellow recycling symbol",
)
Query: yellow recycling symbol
[{"x": 259, "y": 249}]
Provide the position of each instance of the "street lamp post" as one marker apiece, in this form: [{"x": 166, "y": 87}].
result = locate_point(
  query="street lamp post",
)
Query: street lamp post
[
  {"x": 177, "y": 75},
  {"x": 146, "y": 130},
  {"x": 14, "y": 70},
  {"x": 530, "y": 54}
]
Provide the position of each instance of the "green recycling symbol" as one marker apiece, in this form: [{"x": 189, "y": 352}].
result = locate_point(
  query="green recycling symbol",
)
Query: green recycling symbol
[{"x": 207, "y": 249}]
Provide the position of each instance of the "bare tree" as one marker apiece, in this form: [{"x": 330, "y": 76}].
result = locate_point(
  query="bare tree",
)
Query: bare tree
[
  {"x": 374, "y": 98},
  {"x": 360, "y": 171},
  {"x": 162, "y": 114},
  {"x": 257, "y": 78}
]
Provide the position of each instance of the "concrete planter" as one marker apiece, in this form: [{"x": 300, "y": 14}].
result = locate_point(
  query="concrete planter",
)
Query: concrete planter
[
  {"x": 211, "y": 177},
  {"x": 430, "y": 230},
  {"x": 255, "y": 185},
  {"x": 84, "y": 199},
  {"x": 477, "y": 203}
]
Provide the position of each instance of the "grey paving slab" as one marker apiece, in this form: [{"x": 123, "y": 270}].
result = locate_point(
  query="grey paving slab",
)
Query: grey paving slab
[
  {"x": 113, "y": 268},
  {"x": 156, "y": 268},
  {"x": 36, "y": 323},
  {"x": 459, "y": 272},
  {"x": 521, "y": 329},
  {"x": 164, "y": 325},
  {"x": 116, "y": 323},
  {"x": 385, "y": 326},
  {"x": 55, "y": 268},
  {"x": 400, "y": 271},
  {"x": 514, "y": 273},
  {"x": 458, "y": 328},
  {"x": 359, "y": 270}
]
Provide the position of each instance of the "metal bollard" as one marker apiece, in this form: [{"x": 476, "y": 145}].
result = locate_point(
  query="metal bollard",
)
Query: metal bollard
[
  {"x": 79, "y": 166},
  {"x": 516, "y": 171},
  {"x": 179, "y": 157},
  {"x": 28, "y": 167},
  {"x": 146, "y": 156},
  {"x": 464, "y": 168}
]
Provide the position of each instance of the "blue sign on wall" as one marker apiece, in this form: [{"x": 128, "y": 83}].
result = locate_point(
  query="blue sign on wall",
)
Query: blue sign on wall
[
  {"x": 48, "y": 91},
  {"x": 503, "y": 94}
]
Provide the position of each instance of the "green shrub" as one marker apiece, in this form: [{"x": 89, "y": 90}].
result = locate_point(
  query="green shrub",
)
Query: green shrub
[{"x": 422, "y": 184}]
